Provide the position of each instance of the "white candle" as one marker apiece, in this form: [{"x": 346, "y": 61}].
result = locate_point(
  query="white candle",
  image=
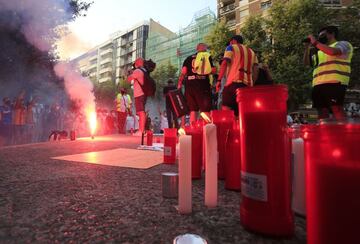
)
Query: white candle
[
  {"x": 185, "y": 203},
  {"x": 211, "y": 162},
  {"x": 298, "y": 202}
]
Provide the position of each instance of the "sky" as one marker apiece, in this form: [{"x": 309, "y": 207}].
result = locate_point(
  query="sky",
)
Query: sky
[{"x": 108, "y": 16}]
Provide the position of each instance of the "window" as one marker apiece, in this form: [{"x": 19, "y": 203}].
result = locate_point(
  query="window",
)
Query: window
[
  {"x": 140, "y": 32},
  {"x": 331, "y": 2},
  {"x": 265, "y": 5}
]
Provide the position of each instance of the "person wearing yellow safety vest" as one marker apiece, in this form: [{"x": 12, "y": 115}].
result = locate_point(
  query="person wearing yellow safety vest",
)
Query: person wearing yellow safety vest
[
  {"x": 123, "y": 108},
  {"x": 332, "y": 69}
]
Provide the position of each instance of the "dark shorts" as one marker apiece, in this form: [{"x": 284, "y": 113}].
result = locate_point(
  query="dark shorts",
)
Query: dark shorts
[
  {"x": 140, "y": 103},
  {"x": 327, "y": 95},
  {"x": 229, "y": 96},
  {"x": 198, "y": 95}
]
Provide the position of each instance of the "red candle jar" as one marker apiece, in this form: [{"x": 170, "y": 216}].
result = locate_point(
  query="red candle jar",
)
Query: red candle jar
[
  {"x": 72, "y": 135},
  {"x": 233, "y": 161},
  {"x": 149, "y": 138},
  {"x": 223, "y": 119},
  {"x": 170, "y": 137},
  {"x": 332, "y": 171},
  {"x": 265, "y": 161},
  {"x": 196, "y": 150}
]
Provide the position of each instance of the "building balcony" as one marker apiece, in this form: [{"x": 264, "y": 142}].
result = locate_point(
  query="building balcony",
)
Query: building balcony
[
  {"x": 331, "y": 3},
  {"x": 93, "y": 58},
  {"x": 126, "y": 51},
  {"x": 92, "y": 66},
  {"x": 92, "y": 74},
  {"x": 106, "y": 60},
  {"x": 226, "y": 1},
  {"x": 227, "y": 9},
  {"x": 105, "y": 79},
  {"x": 231, "y": 23},
  {"x": 104, "y": 70},
  {"x": 125, "y": 42},
  {"x": 107, "y": 51}
]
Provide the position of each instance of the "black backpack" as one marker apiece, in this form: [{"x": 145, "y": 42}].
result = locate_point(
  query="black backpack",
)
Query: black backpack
[{"x": 149, "y": 86}]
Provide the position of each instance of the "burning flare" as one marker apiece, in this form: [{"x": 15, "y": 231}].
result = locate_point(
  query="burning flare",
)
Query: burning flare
[{"x": 91, "y": 117}]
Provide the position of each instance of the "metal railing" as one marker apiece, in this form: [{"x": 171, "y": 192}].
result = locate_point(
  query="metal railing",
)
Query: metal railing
[{"x": 227, "y": 9}]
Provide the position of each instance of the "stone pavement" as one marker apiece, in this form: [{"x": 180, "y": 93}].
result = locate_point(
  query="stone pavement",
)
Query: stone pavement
[{"x": 50, "y": 201}]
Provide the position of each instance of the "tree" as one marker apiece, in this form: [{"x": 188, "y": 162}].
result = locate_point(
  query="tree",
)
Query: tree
[
  {"x": 348, "y": 20},
  {"x": 161, "y": 75},
  {"x": 288, "y": 23},
  {"x": 217, "y": 39},
  {"x": 255, "y": 34},
  {"x": 105, "y": 94},
  {"x": 25, "y": 65}
]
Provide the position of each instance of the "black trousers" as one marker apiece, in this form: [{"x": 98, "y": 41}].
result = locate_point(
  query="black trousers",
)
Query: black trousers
[{"x": 171, "y": 117}]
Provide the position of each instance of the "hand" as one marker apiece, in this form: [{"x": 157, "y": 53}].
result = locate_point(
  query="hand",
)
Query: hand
[
  {"x": 218, "y": 86},
  {"x": 312, "y": 40},
  {"x": 265, "y": 67}
]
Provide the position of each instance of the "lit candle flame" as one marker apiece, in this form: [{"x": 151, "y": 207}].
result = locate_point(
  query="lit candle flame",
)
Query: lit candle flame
[
  {"x": 205, "y": 117},
  {"x": 181, "y": 132}
]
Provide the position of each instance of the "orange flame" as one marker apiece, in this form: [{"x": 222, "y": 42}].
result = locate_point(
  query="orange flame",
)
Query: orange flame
[
  {"x": 181, "y": 132},
  {"x": 205, "y": 117}
]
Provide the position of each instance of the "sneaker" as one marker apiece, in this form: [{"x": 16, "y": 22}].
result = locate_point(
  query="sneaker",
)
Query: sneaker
[{"x": 138, "y": 133}]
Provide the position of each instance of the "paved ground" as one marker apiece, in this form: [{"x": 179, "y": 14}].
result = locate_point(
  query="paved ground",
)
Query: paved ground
[{"x": 50, "y": 201}]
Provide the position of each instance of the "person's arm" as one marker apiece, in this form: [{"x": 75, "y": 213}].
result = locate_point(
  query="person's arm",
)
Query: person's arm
[
  {"x": 255, "y": 70},
  {"x": 137, "y": 75},
  {"x": 213, "y": 67},
  {"x": 228, "y": 56},
  {"x": 33, "y": 101},
  {"x": 182, "y": 77},
  {"x": 255, "y": 74},
  {"x": 306, "y": 58},
  {"x": 223, "y": 68},
  {"x": 332, "y": 51},
  {"x": 268, "y": 73}
]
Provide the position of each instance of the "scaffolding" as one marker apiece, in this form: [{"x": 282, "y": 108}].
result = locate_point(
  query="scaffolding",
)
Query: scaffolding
[
  {"x": 163, "y": 49},
  {"x": 195, "y": 33}
]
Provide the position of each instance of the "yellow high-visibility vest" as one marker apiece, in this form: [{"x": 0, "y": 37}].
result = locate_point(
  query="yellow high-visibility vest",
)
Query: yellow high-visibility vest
[
  {"x": 333, "y": 69},
  {"x": 119, "y": 100}
]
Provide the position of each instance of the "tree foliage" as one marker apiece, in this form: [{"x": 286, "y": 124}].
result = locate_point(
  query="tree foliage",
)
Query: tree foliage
[
  {"x": 217, "y": 39},
  {"x": 161, "y": 75},
  {"x": 255, "y": 34},
  {"x": 278, "y": 40},
  {"x": 105, "y": 94}
]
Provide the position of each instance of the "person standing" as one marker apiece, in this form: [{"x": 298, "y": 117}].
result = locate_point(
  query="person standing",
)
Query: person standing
[
  {"x": 196, "y": 71},
  {"x": 242, "y": 63},
  {"x": 137, "y": 78},
  {"x": 19, "y": 119},
  {"x": 171, "y": 117},
  {"x": 123, "y": 107},
  {"x": 331, "y": 75},
  {"x": 30, "y": 122},
  {"x": 5, "y": 121},
  {"x": 264, "y": 77}
]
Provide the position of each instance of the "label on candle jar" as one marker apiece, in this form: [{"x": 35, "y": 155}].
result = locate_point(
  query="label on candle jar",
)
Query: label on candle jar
[
  {"x": 167, "y": 151},
  {"x": 254, "y": 186}
]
